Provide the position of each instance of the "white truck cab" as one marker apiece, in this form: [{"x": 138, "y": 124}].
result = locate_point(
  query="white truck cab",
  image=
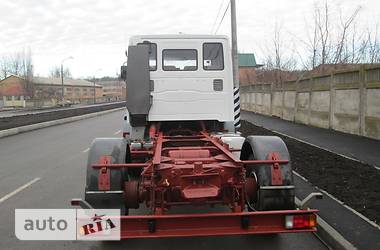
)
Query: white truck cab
[{"x": 179, "y": 78}]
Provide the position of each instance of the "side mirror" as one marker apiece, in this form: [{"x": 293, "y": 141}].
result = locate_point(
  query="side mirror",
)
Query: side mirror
[
  {"x": 126, "y": 53},
  {"x": 123, "y": 72}
]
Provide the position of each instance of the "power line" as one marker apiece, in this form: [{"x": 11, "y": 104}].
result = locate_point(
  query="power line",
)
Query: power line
[
  {"x": 216, "y": 18},
  {"x": 220, "y": 23}
]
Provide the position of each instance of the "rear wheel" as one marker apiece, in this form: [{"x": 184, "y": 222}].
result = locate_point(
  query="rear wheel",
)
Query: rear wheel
[
  {"x": 268, "y": 195},
  {"x": 267, "y": 198},
  {"x": 112, "y": 149}
]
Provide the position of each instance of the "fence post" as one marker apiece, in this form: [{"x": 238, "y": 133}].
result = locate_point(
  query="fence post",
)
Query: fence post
[
  {"x": 282, "y": 101},
  {"x": 362, "y": 99},
  {"x": 332, "y": 102},
  {"x": 296, "y": 99},
  {"x": 271, "y": 99},
  {"x": 311, "y": 81}
]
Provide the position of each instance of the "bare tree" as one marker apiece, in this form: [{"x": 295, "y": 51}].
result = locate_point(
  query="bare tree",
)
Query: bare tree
[
  {"x": 55, "y": 72},
  {"x": 27, "y": 72},
  {"x": 333, "y": 44},
  {"x": 342, "y": 42},
  {"x": 373, "y": 47},
  {"x": 314, "y": 45},
  {"x": 323, "y": 27},
  {"x": 4, "y": 67},
  {"x": 20, "y": 64}
]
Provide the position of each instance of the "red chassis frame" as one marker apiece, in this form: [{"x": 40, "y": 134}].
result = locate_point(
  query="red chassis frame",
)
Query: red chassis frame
[
  {"x": 212, "y": 224},
  {"x": 195, "y": 153}
]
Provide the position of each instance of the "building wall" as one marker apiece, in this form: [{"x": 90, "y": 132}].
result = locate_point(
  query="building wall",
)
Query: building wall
[
  {"x": 43, "y": 91},
  {"x": 247, "y": 75},
  {"x": 114, "y": 89},
  {"x": 12, "y": 86},
  {"x": 82, "y": 92},
  {"x": 347, "y": 101},
  {"x": 15, "y": 86},
  {"x": 12, "y": 92},
  {"x": 74, "y": 93}
]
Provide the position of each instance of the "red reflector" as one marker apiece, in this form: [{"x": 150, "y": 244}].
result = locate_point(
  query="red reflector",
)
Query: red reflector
[{"x": 125, "y": 134}]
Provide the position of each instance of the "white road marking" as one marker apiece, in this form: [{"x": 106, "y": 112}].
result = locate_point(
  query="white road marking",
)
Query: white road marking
[
  {"x": 117, "y": 132},
  {"x": 6, "y": 197},
  {"x": 86, "y": 150}
]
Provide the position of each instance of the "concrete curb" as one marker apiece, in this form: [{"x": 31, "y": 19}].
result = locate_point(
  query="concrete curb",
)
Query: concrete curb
[
  {"x": 329, "y": 235},
  {"x": 22, "y": 129}
]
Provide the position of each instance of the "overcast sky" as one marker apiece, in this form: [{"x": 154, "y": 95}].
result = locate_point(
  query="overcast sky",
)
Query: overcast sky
[{"x": 96, "y": 33}]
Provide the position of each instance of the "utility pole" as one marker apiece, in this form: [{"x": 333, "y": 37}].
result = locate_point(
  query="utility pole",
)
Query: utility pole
[
  {"x": 235, "y": 59},
  {"x": 94, "y": 84},
  {"x": 235, "y": 65},
  {"x": 94, "y": 91},
  {"x": 63, "y": 87}
]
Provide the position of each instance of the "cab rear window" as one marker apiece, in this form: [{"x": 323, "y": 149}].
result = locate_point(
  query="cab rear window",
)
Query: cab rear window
[
  {"x": 179, "y": 60},
  {"x": 213, "y": 56}
]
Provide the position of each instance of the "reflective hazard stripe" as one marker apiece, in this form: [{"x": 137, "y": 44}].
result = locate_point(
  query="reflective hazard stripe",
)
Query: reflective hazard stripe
[{"x": 237, "y": 107}]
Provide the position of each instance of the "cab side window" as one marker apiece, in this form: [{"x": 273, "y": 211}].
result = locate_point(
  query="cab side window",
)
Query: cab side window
[{"x": 213, "y": 56}]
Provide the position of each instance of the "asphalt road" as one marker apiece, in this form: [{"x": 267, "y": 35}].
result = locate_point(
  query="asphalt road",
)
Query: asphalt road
[{"x": 57, "y": 155}]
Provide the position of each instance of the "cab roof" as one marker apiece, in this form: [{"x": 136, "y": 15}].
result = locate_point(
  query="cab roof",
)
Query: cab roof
[{"x": 177, "y": 36}]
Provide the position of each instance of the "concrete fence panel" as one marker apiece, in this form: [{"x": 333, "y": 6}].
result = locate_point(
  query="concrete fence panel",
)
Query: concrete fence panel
[
  {"x": 320, "y": 107},
  {"x": 259, "y": 102},
  {"x": 372, "y": 119},
  {"x": 252, "y": 105},
  {"x": 346, "y": 115},
  {"x": 347, "y": 101},
  {"x": 277, "y": 104},
  {"x": 289, "y": 105},
  {"x": 302, "y": 106},
  {"x": 267, "y": 103}
]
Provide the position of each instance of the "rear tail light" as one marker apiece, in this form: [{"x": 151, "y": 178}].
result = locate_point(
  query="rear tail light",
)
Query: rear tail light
[{"x": 300, "y": 221}]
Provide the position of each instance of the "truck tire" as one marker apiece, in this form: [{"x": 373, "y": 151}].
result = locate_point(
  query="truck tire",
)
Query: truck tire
[
  {"x": 269, "y": 197},
  {"x": 115, "y": 148}
]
